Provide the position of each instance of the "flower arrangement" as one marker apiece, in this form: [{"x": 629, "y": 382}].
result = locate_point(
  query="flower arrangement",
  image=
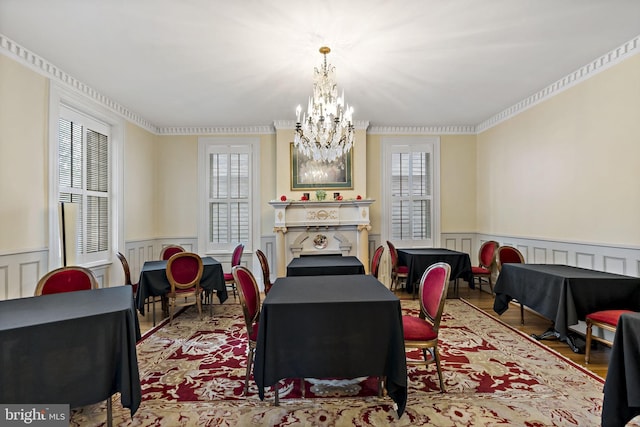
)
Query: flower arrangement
[{"x": 321, "y": 194}]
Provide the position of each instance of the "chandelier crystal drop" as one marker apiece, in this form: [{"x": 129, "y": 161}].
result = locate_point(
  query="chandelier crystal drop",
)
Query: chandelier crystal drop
[{"x": 326, "y": 130}]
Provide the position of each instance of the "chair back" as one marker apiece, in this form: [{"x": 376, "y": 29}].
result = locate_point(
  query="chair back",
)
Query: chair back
[
  {"x": 249, "y": 294},
  {"x": 487, "y": 253},
  {"x": 125, "y": 267},
  {"x": 184, "y": 271},
  {"x": 393, "y": 254},
  {"x": 236, "y": 257},
  {"x": 264, "y": 264},
  {"x": 433, "y": 292},
  {"x": 168, "y": 251},
  {"x": 375, "y": 261},
  {"x": 66, "y": 279},
  {"x": 509, "y": 254}
]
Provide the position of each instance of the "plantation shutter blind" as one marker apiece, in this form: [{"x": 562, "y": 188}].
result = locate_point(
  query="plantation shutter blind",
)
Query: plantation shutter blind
[
  {"x": 83, "y": 178},
  {"x": 229, "y": 196},
  {"x": 411, "y": 195}
]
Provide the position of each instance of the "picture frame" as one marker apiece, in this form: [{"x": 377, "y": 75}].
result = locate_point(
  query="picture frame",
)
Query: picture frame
[{"x": 308, "y": 174}]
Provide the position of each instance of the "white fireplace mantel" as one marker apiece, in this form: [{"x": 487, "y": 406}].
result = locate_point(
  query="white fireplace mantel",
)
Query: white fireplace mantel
[{"x": 343, "y": 225}]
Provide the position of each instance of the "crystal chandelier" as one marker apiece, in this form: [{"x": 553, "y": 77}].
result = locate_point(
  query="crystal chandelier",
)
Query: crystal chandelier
[{"x": 326, "y": 131}]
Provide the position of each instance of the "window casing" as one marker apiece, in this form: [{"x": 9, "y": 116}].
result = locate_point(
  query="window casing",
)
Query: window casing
[
  {"x": 85, "y": 167},
  {"x": 228, "y": 200},
  {"x": 411, "y": 194}
]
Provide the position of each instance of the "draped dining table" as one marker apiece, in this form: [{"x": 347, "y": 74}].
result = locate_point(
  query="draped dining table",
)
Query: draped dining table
[
  {"x": 564, "y": 294},
  {"x": 346, "y": 326},
  {"x": 154, "y": 282},
  {"x": 75, "y": 348},
  {"x": 317, "y": 265},
  {"x": 419, "y": 259}
]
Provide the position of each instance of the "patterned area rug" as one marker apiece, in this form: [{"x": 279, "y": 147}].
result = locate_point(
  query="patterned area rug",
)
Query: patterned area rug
[{"x": 192, "y": 373}]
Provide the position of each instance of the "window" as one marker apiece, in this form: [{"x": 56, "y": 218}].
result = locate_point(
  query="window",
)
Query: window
[
  {"x": 83, "y": 179},
  {"x": 85, "y": 164},
  {"x": 411, "y": 192},
  {"x": 228, "y": 200}
]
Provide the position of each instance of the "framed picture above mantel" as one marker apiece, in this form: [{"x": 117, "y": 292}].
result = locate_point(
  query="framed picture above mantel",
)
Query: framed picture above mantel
[{"x": 308, "y": 174}]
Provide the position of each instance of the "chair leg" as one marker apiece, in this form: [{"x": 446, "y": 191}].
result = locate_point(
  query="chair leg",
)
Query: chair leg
[
  {"x": 381, "y": 381},
  {"x": 303, "y": 388},
  {"x": 587, "y": 346},
  {"x": 276, "y": 400},
  {"x": 199, "y": 304},
  {"x": 248, "y": 374},
  {"x": 154, "y": 311},
  {"x": 109, "y": 412},
  {"x": 521, "y": 314},
  {"x": 436, "y": 356}
]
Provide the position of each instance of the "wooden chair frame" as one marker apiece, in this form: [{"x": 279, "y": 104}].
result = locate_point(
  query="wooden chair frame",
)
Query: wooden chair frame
[
  {"x": 168, "y": 251},
  {"x": 396, "y": 276},
  {"x": 264, "y": 265},
  {"x": 488, "y": 266},
  {"x": 44, "y": 279},
  {"x": 178, "y": 289},
  {"x": 602, "y": 325},
  {"x": 434, "y": 319},
  {"x": 375, "y": 261}
]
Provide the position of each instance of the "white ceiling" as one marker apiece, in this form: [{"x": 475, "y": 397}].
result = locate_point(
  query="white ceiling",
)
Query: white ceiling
[{"x": 241, "y": 63}]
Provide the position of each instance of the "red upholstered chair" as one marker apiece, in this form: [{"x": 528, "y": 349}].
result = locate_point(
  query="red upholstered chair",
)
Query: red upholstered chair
[
  {"x": 236, "y": 257},
  {"x": 605, "y": 319},
  {"x": 375, "y": 261},
  {"x": 486, "y": 262},
  {"x": 250, "y": 301},
  {"x": 184, "y": 271},
  {"x": 506, "y": 255},
  {"x": 398, "y": 272},
  {"x": 66, "y": 279},
  {"x": 170, "y": 250},
  {"x": 422, "y": 332},
  {"x": 264, "y": 264}
]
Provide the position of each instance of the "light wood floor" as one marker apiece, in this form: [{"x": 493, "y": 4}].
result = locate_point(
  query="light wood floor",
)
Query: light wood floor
[{"x": 534, "y": 324}]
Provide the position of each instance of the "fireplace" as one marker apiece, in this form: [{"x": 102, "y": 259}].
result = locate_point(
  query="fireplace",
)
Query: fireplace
[{"x": 321, "y": 228}]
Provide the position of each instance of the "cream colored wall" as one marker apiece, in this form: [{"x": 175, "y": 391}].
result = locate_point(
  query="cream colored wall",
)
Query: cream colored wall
[
  {"x": 176, "y": 183},
  {"x": 374, "y": 182},
  {"x": 268, "y": 167},
  {"x": 23, "y": 158},
  {"x": 568, "y": 168},
  {"x": 176, "y": 174},
  {"x": 140, "y": 184},
  {"x": 458, "y": 183}
]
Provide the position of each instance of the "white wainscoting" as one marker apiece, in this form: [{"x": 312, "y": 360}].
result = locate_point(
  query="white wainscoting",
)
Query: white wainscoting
[{"x": 19, "y": 272}]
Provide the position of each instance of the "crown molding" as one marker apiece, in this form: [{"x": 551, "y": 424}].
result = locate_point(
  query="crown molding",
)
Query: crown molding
[
  {"x": 291, "y": 124},
  {"x": 611, "y": 58},
  {"x": 44, "y": 67},
  {"x": 216, "y": 130},
  {"x": 422, "y": 130}
]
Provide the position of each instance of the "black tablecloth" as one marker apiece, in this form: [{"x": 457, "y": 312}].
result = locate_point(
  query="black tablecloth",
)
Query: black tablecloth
[
  {"x": 75, "y": 348},
  {"x": 418, "y": 260},
  {"x": 331, "y": 327},
  {"x": 154, "y": 282},
  {"x": 564, "y": 294},
  {"x": 328, "y": 265},
  {"x": 622, "y": 387}
]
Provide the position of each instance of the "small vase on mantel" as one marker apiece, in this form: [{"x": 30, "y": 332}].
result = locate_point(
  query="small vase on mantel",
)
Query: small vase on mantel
[{"x": 321, "y": 195}]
